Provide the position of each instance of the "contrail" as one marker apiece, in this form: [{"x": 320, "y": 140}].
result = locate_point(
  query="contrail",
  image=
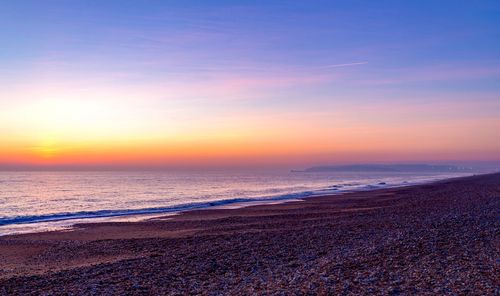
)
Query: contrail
[{"x": 342, "y": 65}]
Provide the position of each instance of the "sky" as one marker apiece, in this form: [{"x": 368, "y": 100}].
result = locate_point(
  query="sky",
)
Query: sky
[{"x": 248, "y": 83}]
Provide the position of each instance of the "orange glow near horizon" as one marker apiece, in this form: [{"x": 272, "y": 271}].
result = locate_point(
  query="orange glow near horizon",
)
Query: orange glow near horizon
[
  {"x": 63, "y": 124},
  {"x": 53, "y": 124},
  {"x": 261, "y": 140}
]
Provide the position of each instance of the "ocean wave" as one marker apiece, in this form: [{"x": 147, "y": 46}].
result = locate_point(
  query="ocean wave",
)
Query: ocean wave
[
  {"x": 129, "y": 212},
  {"x": 330, "y": 190}
]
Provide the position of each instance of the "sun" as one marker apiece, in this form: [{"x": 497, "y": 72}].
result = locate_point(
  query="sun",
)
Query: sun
[{"x": 47, "y": 148}]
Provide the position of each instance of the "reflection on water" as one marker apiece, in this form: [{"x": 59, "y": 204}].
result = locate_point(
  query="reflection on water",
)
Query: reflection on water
[{"x": 38, "y": 197}]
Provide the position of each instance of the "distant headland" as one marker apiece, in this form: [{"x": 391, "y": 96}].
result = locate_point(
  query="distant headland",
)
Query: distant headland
[{"x": 387, "y": 168}]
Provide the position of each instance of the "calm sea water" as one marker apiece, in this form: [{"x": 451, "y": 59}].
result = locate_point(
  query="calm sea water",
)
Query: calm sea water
[{"x": 38, "y": 201}]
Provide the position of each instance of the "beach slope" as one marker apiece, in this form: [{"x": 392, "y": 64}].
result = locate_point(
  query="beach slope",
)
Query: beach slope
[{"x": 440, "y": 238}]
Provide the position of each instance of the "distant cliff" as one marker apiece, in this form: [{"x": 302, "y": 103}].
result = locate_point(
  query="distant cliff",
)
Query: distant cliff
[{"x": 388, "y": 168}]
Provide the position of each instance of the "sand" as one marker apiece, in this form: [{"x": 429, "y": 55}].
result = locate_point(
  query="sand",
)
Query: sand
[{"x": 440, "y": 238}]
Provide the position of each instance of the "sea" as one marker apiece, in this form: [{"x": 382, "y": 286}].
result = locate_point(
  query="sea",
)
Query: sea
[{"x": 44, "y": 201}]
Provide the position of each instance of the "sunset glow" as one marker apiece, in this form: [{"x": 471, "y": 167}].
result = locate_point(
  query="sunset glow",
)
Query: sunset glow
[{"x": 238, "y": 85}]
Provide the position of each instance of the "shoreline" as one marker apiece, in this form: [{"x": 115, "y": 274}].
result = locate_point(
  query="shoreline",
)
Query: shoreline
[
  {"x": 439, "y": 237},
  {"x": 67, "y": 221}
]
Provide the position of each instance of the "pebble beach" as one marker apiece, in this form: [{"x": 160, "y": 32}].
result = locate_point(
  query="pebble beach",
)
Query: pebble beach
[{"x": 434, "y": 239}]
